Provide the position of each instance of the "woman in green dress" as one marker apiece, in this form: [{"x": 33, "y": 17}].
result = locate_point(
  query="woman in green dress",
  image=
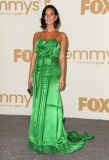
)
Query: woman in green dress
[{"x": 47, "y": 75}]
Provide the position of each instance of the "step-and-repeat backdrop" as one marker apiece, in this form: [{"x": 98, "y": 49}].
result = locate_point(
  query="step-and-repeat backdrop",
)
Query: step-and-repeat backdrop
[{"x": 86, "y": 25}]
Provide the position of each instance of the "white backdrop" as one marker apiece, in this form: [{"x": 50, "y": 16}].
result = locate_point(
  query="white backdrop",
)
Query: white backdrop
[{"x": 87, "y": 83}]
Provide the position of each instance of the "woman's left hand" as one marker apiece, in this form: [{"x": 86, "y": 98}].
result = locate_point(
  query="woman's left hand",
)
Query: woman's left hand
[{"x": 61, "y": 83}]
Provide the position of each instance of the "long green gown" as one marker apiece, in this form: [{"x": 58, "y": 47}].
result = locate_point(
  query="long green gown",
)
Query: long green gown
[{"x": 47, "y": 133}]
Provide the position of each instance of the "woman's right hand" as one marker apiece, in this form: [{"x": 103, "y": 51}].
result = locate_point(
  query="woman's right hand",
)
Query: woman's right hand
[{"x": 30, "y": 81}]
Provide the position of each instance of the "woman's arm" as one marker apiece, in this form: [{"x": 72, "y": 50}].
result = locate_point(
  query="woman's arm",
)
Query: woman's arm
[
  {"x": 62, "y": 60},
  {"x": 33, "y": 57}
]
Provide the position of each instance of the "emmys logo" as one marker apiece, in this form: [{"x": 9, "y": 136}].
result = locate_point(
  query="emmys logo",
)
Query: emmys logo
[
  {"x": 17, "y": 100},
  {"x": 24, "y": 55},
  {"x": 87, "y": 55},
  {"x": 94, "y": 6},
  {"x": 19, "y": 6},
  {"x": 94, "y": 104}
]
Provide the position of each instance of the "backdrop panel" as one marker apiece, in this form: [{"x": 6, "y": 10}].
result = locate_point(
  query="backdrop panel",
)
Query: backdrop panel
[{"x": 86, "y": 25}]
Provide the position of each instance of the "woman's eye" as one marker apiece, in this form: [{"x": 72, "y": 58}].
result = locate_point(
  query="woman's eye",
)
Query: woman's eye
[{"x": 49, "y": 14}]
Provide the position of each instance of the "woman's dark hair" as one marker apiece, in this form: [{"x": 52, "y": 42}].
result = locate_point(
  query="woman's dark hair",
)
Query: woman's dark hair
[{"x": 56, "y": 23}]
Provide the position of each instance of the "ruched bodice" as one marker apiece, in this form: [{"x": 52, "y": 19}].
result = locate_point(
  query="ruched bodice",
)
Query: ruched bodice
[{"x": 49, "y": 48}]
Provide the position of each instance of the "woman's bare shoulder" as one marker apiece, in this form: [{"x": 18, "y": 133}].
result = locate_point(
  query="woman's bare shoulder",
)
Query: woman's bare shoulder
[
  {"x": 37, "y": 35},
  {"x": 63, "y": 34}
]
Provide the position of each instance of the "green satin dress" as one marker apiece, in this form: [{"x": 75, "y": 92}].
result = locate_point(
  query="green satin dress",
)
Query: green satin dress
[{"x": 47, "y": 133}]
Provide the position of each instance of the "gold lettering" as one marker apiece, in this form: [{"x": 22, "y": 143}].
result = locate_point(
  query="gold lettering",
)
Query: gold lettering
[
  {"x": 96, "y": 6},
  {"x": 68, "y": 54},
  {"x": 97, "y": 54},
  {"x": 83, "y": 6},
  {"x": 35, "y": 4},
  {"x": 5, "y": 4},
  {"x": 26, "y": 55},
  {"x": 104, "y": 105},
  {"x": 21, "y": 5},
  {"x": 27, "y": 100},
  {"x": 82, "y": 103},
  {"x": 15, "y": 98},
  {"x": 106, "y": 7},
  {"x": 16, "y": 55},
  {"x": 3, "y": 95},
  {"x": 107, "y": 53},
  {"x": 15, "y": 5},
  {"x": 76, "y": 52},
  {"x": 93, "y": 104},
  {"x": 27, "y": 7},
  {"x": 47, "y": 1}
]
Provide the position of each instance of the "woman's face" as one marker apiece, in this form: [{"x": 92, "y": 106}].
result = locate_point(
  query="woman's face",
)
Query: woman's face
[{"x": 50, "y": 16}]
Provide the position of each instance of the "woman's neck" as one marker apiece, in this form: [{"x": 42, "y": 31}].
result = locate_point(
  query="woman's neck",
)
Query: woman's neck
[{"x": 50, "y": 29}]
